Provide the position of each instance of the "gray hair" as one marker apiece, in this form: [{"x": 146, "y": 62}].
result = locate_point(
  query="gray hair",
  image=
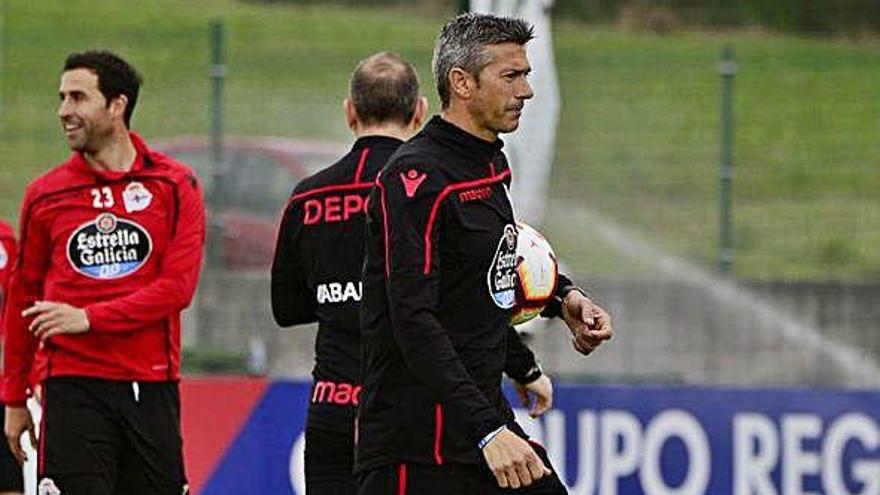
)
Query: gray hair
[{"x": 462, "y": 42}]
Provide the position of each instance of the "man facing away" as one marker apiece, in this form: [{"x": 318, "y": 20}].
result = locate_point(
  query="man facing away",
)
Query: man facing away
[
  {"x": 111, "y": 249},
  {"x": 316, "y": 272},
  {"x": 436, "y": 310}
]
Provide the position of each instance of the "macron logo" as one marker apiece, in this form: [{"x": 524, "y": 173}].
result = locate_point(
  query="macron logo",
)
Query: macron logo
[{"x": 411, "y": 181}]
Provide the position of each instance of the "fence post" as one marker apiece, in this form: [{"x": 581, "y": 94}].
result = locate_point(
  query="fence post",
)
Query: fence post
[
  {"x": 218, "y": 81},
  {"x": 727, "y": 69}
]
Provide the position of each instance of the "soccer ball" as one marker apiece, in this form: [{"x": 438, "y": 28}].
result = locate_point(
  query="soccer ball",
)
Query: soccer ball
[{"x": 536, "y": 274}]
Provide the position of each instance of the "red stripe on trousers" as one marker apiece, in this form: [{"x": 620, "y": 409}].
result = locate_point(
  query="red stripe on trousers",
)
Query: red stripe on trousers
[
  {"x": 438, "y": 433},
  {"x": 401, "y": 479}
]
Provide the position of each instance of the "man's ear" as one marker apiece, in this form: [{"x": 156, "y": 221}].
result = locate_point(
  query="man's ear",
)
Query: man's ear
[
  {"x": 118, "y": 106},
  {"x": 351, "y": 117},
  {"x": 419, "y": 115},
  {"x": 462, "y": 83}
]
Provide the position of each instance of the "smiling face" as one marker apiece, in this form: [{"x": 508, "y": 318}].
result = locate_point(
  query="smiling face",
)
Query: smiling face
[
  {"x": 502, "y": 88},
  {"x": 86, "y": 116}
]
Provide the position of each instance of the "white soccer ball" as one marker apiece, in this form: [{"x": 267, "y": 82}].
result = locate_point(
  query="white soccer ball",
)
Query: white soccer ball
[{"x": 536, "y": 274}]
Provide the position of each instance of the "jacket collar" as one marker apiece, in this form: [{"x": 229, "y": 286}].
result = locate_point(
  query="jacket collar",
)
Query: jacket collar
[
  {"x": 449, "y": 133},
  {"x": 375, "y": 141}
]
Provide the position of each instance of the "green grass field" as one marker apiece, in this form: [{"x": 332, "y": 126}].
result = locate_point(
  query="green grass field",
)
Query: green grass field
[
  {"x": 638, "y": 138},
  {"x": 643, "y": 113}
]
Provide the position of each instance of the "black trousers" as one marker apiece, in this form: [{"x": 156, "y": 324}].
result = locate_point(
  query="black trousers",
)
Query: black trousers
[
  {"x": 329, "y": 458},
  {"x": 450, "y": 479},
  {"x": 105, "y": 437}
]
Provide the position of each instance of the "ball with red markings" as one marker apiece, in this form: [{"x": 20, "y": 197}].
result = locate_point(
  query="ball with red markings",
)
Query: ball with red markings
[{"x": 536, "y": 274}]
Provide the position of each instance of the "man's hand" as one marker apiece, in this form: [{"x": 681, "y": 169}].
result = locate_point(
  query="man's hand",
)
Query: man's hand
[
  {"x": 513, "y": 461},
  {"x": 589, "y": 324},
  {"x": 52, "y": 318},
  {"x": 542, "y": 389},
  {"x": 18, "y": 419}
]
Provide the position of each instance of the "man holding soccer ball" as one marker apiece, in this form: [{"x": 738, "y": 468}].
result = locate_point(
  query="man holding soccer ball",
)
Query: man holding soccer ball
[{"x": 439, "y": 287}]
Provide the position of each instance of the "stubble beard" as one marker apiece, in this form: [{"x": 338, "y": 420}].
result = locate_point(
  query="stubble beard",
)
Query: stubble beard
[
  {"x": 93, "y": 140},
  {"x": 506, "y": 126}
]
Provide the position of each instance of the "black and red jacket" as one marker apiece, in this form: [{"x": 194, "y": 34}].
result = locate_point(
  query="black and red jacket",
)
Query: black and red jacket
[
  {"x": 438, "y": 296},
  {"x": 316, "y": 276},
  {"x": 126, "y": 247}
]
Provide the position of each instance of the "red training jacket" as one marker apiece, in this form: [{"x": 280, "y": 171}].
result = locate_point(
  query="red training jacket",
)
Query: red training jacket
[
  {"x": 126, "y": 247},
  {"x": 8, "y": 255}
]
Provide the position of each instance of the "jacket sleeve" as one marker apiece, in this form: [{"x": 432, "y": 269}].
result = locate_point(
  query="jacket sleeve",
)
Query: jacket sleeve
[
  {"x": 24, "y": 288},
  {"x": 175, "y": 285},
  {"x": 521, "y": 364},
  {"x": 292, "y": 301},
  {"x": 411, "y": 227}
]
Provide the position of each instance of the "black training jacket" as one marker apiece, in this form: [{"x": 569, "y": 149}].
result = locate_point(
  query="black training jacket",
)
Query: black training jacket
[
  {"x": 438, "y": 293},
  {"x": 316, "y": 274}
]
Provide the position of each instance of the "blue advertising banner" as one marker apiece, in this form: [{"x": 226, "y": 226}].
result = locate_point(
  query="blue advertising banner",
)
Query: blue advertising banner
[{"x": 608, "y": 440}]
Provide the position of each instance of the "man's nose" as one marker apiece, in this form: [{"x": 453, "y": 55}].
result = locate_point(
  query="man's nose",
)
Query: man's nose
[
  {"x": 64, "y": 108},
  {"x": 526, "y": 92}
]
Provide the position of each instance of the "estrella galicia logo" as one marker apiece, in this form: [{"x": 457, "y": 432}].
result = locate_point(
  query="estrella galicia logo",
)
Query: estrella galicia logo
[
  {"x": 502, "y": 273},
  {"x": 108, "y": 247}
]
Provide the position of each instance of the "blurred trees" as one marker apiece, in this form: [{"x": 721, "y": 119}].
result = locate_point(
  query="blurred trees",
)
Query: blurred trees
[
  {"x": 802, "y": 16},
  {"x": 851, "y": 17}
]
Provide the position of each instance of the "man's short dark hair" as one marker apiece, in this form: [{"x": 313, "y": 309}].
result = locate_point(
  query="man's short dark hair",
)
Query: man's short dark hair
[
  {"x": 115, "y": 76},
  {"x": 462, "y": 43},
  {"x": 384, "y": 88}
]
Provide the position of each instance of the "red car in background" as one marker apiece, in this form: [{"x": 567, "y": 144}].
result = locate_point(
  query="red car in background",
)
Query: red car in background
[{"x": 254, "y": 181}]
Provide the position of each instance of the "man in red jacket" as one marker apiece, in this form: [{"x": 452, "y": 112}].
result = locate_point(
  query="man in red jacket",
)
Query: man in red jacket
[
  {"x": 11, "y": 479},
  {"x": 111, "y": 248}
]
